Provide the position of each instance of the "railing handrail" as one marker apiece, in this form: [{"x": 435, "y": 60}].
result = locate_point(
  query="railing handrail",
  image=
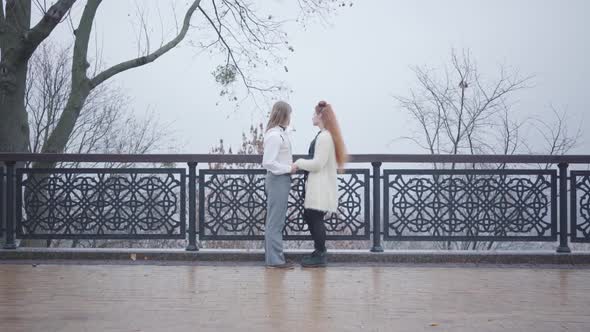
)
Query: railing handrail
[{"x": 254, "y": 159}]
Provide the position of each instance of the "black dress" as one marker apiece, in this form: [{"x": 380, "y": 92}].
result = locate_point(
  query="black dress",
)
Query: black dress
[{"x": 310, "y": 155}]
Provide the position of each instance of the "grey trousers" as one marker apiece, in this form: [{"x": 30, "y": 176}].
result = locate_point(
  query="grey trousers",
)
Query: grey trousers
[{"x": 277, "y": 196}]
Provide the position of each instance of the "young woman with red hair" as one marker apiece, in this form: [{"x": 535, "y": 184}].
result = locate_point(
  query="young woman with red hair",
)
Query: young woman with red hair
[{"x": 327, "y": 154}]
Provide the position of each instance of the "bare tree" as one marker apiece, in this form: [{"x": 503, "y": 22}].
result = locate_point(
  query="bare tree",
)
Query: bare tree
[
  {"x": 247, "y": 36},
  {"x": 106, "y": 123},
  {"x": 555, "y": 135},
  {"x": 459, "y": 112},
  {"x": 463, "y": 113}
]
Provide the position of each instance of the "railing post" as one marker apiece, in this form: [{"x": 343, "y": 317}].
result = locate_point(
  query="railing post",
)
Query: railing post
[
  {"x": 2, "y": 202},
  {"x": 376, "y": 207},
  {"x": 192, "y": 208},
  {"x": 563, "y": 233},
  {"x": 10, "y": 205}
]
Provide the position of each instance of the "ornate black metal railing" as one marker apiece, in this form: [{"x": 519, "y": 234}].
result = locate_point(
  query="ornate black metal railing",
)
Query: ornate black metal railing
[
  {"x": 492, "y": 203},
  {"x": 580, "y": 206},
  {"x": 462, "y": 205},
  {"x": 232, "y": 206},
  {"x": 100, "y": 203}
]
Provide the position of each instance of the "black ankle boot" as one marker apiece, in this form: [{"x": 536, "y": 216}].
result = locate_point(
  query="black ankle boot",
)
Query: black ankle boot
[{"x": 317, "y": 259}]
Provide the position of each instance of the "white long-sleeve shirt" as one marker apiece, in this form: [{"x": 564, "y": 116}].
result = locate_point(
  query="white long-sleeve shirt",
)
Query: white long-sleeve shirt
[{"x": 277, "y": 157}]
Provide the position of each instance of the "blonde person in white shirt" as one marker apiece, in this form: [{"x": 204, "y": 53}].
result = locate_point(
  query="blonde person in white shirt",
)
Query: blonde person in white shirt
[
  {"x": 277, "y": 160},
  {"x": 327, "y": 155}
]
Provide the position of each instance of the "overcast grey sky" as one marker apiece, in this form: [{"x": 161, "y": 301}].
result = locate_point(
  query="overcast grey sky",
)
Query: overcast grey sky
[{"x": 357, "y": 64}]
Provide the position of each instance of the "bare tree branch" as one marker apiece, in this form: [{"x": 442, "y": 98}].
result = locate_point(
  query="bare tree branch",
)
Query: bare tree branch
[
  {"x": 80, "y": 60},
  {"x": 250, "y": 42},
  {"x": 39, "y": 32},
  {"x": 140, "y": 61},
  {"x": 2, "y": 19},
  {"x": 143, "y": 33},
  {"x": 555, "y": 134},
  {"x": 232, "y": 57},
  {"x": 80, "y": 88},
  {"x": 42, "y": 7}
]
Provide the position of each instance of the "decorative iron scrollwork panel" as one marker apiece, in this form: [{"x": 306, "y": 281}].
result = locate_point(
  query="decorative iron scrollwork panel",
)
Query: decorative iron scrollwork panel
[
  {"x": 493, "y": 205},
  {"x": 101, "y": 203},
  {"x": 232, "y": 206},
  {"x": 580, "y": 206},
  {"x": 231, "y": 202}
]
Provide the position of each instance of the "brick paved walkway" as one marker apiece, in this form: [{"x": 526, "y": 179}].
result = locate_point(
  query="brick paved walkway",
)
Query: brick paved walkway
[{"x": 341, "y": 298}]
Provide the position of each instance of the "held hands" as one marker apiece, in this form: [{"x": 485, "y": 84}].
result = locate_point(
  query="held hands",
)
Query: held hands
[{"x": 294, "y": 168}]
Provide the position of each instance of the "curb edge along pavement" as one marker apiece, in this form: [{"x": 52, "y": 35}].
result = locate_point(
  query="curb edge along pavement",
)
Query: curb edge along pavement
[{"x": 336, "y": 256}]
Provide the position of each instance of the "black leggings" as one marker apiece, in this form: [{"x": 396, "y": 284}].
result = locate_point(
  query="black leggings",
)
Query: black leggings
[{"x": 315, "y": 222}]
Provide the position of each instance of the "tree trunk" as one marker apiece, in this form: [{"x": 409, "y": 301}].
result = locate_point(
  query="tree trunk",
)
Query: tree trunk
[
  {"x": 14, "y": 127},
  {"x": 58, "y": 139}
]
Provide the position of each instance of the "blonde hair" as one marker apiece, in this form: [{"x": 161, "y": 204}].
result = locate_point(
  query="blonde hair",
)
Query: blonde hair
[
  {"x": 326, "y": 113},
  {"x": 280, "y": 115}
]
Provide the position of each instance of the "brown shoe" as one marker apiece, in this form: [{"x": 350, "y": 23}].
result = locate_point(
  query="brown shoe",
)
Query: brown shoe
[{"x": 287, "y": 265}]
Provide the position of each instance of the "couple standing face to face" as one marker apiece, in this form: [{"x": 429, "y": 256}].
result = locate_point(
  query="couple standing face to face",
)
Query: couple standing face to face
[{"x": 327, "y": 155}]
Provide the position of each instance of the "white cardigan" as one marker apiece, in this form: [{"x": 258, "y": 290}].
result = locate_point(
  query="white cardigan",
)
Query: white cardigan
[{"x": 321, "y": 189}]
